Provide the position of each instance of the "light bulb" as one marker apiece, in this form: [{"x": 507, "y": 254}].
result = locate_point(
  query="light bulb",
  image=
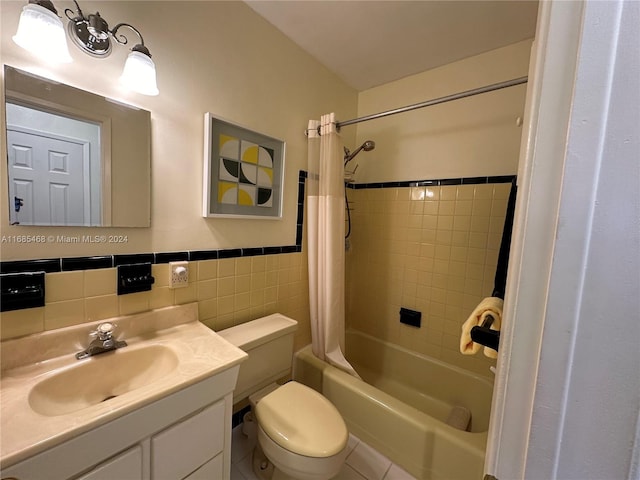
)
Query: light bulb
[
  {"x": 40, "y": 31},
  {"x": 139, "y": 74}
]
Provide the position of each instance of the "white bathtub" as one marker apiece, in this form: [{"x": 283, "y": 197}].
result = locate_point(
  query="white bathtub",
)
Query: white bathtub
[{"x": 402, "y": 407}]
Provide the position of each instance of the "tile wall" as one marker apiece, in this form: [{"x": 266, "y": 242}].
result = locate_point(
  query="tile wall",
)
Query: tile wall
[
  {"x": 229, "y": 291},
  {"x": 231, "y": 286},
  {"x": 428, "y": 248},
  {"x": 431, "y": 248}
]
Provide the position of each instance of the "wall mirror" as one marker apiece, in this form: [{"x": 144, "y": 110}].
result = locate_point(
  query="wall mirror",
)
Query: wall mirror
[{"x": 74, "y": 158}]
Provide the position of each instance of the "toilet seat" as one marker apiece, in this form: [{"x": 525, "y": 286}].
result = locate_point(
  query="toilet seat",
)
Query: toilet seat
[
  {"x": 297, "y": 466},
  {"x": 302, "y": 421}
]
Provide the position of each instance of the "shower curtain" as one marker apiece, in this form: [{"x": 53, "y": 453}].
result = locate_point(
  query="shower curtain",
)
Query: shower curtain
[{"x": 325, "y": 240}]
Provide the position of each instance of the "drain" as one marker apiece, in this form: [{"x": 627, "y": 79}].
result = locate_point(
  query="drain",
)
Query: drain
[{"x": 109, "y": 398}]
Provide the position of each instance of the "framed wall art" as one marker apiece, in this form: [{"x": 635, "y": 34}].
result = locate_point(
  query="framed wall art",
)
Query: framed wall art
[{"x": 243, "y": 172}]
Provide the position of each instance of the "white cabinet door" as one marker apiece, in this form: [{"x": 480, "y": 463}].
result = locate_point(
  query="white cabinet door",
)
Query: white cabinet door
[
  {"x": 184, "y": 447},
  {"x": 212, "y": 470},
  {"x": 127, "y": 465}
]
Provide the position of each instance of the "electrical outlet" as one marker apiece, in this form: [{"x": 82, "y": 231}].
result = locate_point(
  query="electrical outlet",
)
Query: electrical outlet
[{"x": 178, "y": 274}]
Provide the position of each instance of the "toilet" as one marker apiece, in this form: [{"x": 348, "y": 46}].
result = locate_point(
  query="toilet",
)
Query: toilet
[{"x": 300, "y": 432}]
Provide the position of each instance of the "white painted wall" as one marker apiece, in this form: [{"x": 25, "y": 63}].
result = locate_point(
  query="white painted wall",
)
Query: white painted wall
[
  {"x": 567, "y": 396},
  {"x": 475, "y": 136},
  {"x": 218, "y": 57}
]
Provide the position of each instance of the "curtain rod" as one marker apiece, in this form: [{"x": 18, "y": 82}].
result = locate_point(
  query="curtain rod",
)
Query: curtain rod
[{"x": 435, "y": 101}]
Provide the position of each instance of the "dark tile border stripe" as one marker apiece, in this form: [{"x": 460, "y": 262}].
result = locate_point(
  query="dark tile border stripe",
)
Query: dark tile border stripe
[
  {"x": 50, "y": 265},
  {"x": 129, "y": 259},
  {"x": 87, "y": 263},
  {"x": 166, "y": 257},
  {"x": 47, "y": 265},
  {"x": 197, "y": 255},
  {"x": 435, "y": 183}
]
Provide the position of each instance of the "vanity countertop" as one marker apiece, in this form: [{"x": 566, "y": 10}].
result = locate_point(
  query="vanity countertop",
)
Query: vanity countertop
[{"x": 27, "y": 361}]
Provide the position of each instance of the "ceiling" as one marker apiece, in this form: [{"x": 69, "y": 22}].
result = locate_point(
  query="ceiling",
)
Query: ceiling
[{"x": 369, "y": 43}]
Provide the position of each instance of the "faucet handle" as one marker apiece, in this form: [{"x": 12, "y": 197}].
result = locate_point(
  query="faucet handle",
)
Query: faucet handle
[{"x": 104, "y": 331}]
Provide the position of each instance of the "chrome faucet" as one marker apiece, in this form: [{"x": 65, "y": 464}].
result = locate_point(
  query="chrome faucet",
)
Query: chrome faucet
[{"x": 103, "y": 341}]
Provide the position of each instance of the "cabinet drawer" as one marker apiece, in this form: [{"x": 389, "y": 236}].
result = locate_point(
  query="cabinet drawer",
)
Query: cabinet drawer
[
  {"x": 126, "y": 465},
  {"x": 209, "y": 471},
  {"x": 185, "y": 446}
]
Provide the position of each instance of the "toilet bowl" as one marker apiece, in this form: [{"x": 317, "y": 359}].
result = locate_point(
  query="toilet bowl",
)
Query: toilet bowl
[{"x": 299, "y": 431}]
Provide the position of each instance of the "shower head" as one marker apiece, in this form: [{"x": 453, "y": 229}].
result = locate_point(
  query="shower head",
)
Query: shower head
[{"x": 366, "y": 146}]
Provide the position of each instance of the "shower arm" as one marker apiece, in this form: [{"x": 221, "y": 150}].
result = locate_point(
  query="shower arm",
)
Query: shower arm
[{"x": 348, "y": 156}]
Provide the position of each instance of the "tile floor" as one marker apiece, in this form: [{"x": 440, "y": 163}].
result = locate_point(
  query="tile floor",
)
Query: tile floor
[{"x": 363, "y": 462}]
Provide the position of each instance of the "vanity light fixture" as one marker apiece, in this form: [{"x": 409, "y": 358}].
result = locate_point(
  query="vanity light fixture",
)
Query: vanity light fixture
[{"x": 41, "y": 32}]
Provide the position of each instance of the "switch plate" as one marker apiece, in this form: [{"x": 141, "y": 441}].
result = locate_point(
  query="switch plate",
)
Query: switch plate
[{"x": 178, "y": 274}]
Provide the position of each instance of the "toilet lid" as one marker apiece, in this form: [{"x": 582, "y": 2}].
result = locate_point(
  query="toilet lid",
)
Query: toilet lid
[{"x": 302, "y": 421}]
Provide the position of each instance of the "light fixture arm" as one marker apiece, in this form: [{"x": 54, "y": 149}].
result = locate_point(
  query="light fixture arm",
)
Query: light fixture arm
[{"x": 122, "y": 40}]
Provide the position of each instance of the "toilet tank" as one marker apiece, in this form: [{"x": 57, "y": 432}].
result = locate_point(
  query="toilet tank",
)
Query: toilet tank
[{"x": 269, "y": 343}]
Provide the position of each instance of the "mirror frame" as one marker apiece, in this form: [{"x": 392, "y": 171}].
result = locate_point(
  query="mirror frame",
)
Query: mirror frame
[{"x": 41, "y": 100}]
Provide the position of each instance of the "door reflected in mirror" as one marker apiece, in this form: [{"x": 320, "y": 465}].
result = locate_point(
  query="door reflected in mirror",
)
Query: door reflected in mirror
[
  {"x": 74, "y": 158},
  {"x": 55, "y": 173}
]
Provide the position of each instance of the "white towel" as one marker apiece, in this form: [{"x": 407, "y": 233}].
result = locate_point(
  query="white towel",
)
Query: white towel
[{"x": 489, "y": 306}]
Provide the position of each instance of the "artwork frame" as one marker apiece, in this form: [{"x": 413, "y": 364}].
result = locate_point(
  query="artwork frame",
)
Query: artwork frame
[{"x": 243, "y": 172}]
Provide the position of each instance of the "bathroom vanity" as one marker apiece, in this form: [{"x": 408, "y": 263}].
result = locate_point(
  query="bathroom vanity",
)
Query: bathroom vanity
[{"x": 159, "y": 408}]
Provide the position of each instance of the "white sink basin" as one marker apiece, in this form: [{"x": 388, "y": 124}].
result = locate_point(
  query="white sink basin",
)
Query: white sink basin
[
  {"x": 48, "y": 396},
  {"x": 100, "y": 378}
]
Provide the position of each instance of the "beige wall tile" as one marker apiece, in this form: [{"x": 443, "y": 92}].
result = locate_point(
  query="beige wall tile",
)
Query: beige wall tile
[
  {"x": 482, "y": 207},
  {"x": 446, "y": 207},
  {"x": 483, "y": 191},
  {"x": 459, "y": 238},
  {"x": 502, "y": 190},
  {"x": 186, "y": 294},
  {"x": 258, "y": 280},
  {"x": 226, "y": 286},
  {"x": 443, "y": 271},
  {"x": 432, "y": 193},
  {"x": 207, "y": 269},
  {"x": 207, "y": 289},
  {"x": 462, "y": 223},
  {"x": 270, "y": 294},
  {"x": 241, "y": 301},
  {"x": 445, "y": 222},
  {"x": 258, "y": 264},
  {"x": 256, "y": 298},
  {"x": 272, "y": 262},
  {"x": 161, "y": 274},
  {"x": 207, "y": 309},
  {"x": 226, "y": 267},
  {"x": 225, "y": 305},
  {"x": 102, "y": 281},
  {"x": 99, "y": 308},
  {"x": 17, "y": 323},
  {"x": 64, "y": 286},
  {"x": 160, "y": 297},
  {"x": 224, "y": 321},
  {"x": 448, "y": 192},
  {"x": 243, "y": 266},
  {"x": 64, "y": 314},
  {"x": 133, "y": 303},
  {"x": 284, "y": 261},
  {"x": 430, "y": 207},
  {"x": 465, "y": 192},
  {"x": 242, "y": 284}
]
